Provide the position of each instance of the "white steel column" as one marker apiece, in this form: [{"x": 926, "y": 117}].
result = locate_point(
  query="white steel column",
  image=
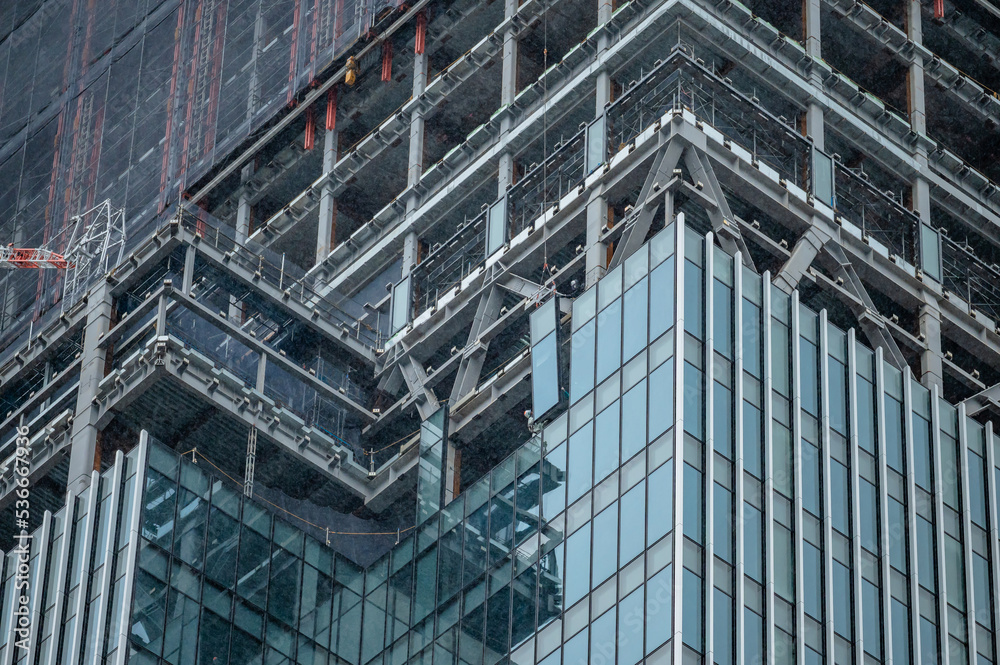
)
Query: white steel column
[
  {"x": 597, "y": 206},
  {"x": 677, "y": 611},
  {"x": 942, "y": 579},
  {"x": 768, "y": 459},
  {"x": 738, "y": 509},
  {"x": 708, "y": 453}
]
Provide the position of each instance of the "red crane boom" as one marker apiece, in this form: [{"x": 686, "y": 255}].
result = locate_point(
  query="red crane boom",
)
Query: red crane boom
[{"x": 12, "y": 257}]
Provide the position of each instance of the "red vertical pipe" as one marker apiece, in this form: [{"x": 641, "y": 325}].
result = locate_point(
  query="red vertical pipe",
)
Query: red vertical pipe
[
  {"x": 331, "y": 109},
  {"x": 171, "y": 100},
  {"x": 939, "y": 9},
  {"x": 293, "y": 59},
  {"x": 421, "y": 38},
  {"x": 310, "y": 138},
  {"x": 386, "y": 61}
]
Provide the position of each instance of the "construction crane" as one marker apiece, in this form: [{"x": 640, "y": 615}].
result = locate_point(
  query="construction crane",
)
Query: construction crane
[{"x": 13, "y": 257}]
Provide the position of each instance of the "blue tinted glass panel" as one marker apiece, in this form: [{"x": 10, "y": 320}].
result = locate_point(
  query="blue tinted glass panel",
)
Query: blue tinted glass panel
[
  {"x": 577, "y": 573},
  {"x": 838, "y": 395},
  {"x": 724, "y": 628},
  {"x": 894, "y": 433},
  {"x": 872, "y": 619},
  {"x": 581, "y": 371},
  {"x": 808, "y": 376},
  {"x": 810, "y": 478},
  {"x": 922, "y": 452},
  {"x": 900, "y": 632},
  {"x": 609, "y": 348},
  {"x": 661, "y": 399},
  {"x": 659, "y": 597},
  {"x": 723, "y": 523},
  {"x": 868, "y": 502},
  {"x": 602, "y": 638},
  {"x": 577, "y": 649},
  {"x": 812, "y": 569},
  {"x": 692, "y": 625},
  {"x": 840, "y": 501},
  {"x": 605, "y": 544},
  {"x": 634, "y": 336},
  {"x": 977, "y": 489},
  {"x": 841, "y": 589},
  {"x": 693, "y": 502},
  {"x": 897, "y": 535},
  {"x": 554, "y": 481},
  {"x": 694, "y": 401},
  {"x": 722, "y": 419},
  {"x": 925, "y": 553},
  {"x": 866, "y": 415},
  {"x": 544, "y": 376},
  {"x": 753, "y": 543},
  {"x": 632, "y": 532},
  {"x": 982, "y": 592},
  {"x": 751, "y": 338},
  {"x": 606, "y": 442},
  {"x": 630, "y": 622},
  {"x": 753, "y": 637},
  {"x": 581, "y": 455},
  {"x": 662, "y": 298},
  {"x": 722, "y": 313},
  {"x": 660, "y": 515},
  {"x": 694, "y": 300},
  {"x": 928, "y": 642},
  {"x": 634, "y": 420},
  {"x": 780, "y": 359},
  {"x": 752, "y": 440}
]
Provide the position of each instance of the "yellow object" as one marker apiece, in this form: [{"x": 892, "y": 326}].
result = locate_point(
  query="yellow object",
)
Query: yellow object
[{"x": 352, "y": 71}]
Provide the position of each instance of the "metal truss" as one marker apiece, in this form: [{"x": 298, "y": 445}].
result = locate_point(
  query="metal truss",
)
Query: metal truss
[{"x": 96, "y": 245}]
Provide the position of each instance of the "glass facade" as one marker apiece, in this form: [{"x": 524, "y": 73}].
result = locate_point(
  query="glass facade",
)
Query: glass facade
[{"x": 735, "y": 480}]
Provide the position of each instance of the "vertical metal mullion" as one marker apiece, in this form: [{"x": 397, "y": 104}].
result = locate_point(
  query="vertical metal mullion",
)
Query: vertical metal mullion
[
  {"x": 910, "y": 478},
  {"x": 830, "y": 635},
  {"x": 677, "y": 611},
  {"x": 993, "y": 532},
  {"x": 854, "y": 475},
  {"x": 107, "y": 574},
  {"x": 912, "y": 564},
  {"x": 966, "y": 542},
  {"x": 90, "y": 523},
  {"x": 942, "y": 581},
  {"x": 768, "y": 471},
  {"x": 41, "y": 540},
  {"x": 61, "y": 572},
  {"x": 709, "y": 451},
  {"x": 738, "y": 508},
  {"x": 132, "y": 553},
  {"x": 797, "y": 532}
]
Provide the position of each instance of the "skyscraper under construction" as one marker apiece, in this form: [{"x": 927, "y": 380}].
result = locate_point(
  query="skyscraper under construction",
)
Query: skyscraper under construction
[{"x": 554, "y": 331}]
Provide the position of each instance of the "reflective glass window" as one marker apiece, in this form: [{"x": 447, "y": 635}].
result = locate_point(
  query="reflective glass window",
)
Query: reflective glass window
[
  {"x": 659, "y": 599},
  {"x": 872, "y": 618},
  {"x": 605, "y": 544},
  {"x": 982, "y": 591},
  {"x": 694, "y": 401},
  {"x": 581, "y": 455},
  {"x": 693, "y": 502},
  {"x": 635, "y": 315},
  {"x": 722, "y": 315},
  {"x": 894, "y": 433},
  {"x": 660, "y": 509},
  {"x": 839, "y": 500},
  {"x": 955, "y": 571},
  {"x": 812, "y": 569},
  {"x": 841, "y": 589},
  {"x": 661, "y": 399},
  {"x": 753, "y": 637},
  {"x": 808, "y": 376},
  {"x": 925, "y": 553},
  {"x": 582, "y": 360},
  {"x": 897, "y": 535},
  {"x": 609, "y": 348},
  {"x": 630, "y": 622},
  {"x": 810, "y": 478},
  {"x": 692, "y": 626},
  {"x": 606, "y": 442},
  {"x": 866, "y": 415},
  {"x": 838, "y": 395},
  {"x": 928, "y": 641},
  {"x": 751, "y": 338},
  {"x": 900, "y": 632},
  {"x": 633, "y": 528},
  {"x": 724, "y": 628},
  {"x": 662, "y": 298},
  {"x": 977, "y": 489},
  {"x": 634, "y": 420},
  {"x": 753, "y": 543},
  {"x": 922, "y": 452},
  {"x": 752, "y": 440},
  {"x": 577, "y": 573},
  {"x": 603, "y": 634},
  {"x": 723, "y": 523},
  {"x": 722, "y": 419},
  {"x": 694, "y": 300},
  {"x": 868, "y": 503}
]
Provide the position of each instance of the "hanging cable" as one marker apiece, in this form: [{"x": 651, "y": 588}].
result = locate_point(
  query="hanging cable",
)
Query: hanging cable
[{"x": 545, "y": 144}]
